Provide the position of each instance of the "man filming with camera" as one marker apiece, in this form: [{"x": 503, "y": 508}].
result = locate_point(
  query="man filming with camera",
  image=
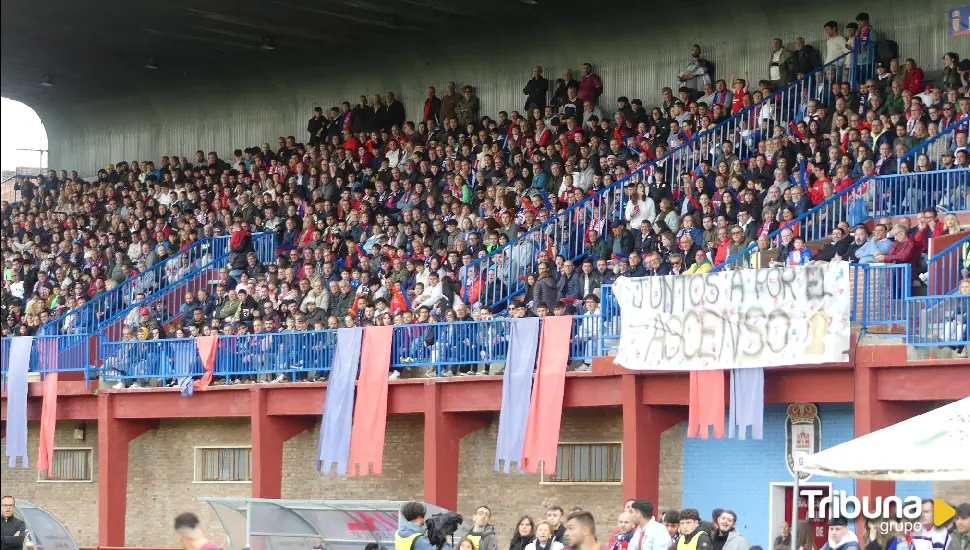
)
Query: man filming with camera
[{"x": 411, "y": 535}]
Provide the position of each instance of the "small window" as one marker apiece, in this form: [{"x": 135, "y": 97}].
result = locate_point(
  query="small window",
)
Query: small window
[
  {"x": 600, "y": 463},
  {"x": 70, "y": 465},
  {"x": 223, "y": 464}
]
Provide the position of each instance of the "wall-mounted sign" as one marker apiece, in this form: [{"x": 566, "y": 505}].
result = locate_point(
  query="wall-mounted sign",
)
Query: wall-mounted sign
[
  {"x": 803, "y": 434},
  {"x": 958, "y": 20}
]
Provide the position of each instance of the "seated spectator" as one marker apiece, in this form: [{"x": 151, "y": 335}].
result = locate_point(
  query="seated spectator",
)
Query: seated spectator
[
  {"x": 800, "y": 254},
  {"x": 701, "y": 263},
  {"x": 878, "y": 243},
  {"x": 903, "y": 250},
  {"x": 836, "y": 249}
]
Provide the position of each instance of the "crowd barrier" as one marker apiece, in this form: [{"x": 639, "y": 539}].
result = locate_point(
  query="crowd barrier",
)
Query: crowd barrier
[
  {"x": 936, "y": 321},
  {"x": 880, "y": 297},
  {"x": 941, "y": 190}
]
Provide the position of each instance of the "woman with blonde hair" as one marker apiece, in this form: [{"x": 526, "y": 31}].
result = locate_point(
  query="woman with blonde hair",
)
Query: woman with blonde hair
[
  {"x": 544, "y": 540},
  {"x": 951, "y": 224}
]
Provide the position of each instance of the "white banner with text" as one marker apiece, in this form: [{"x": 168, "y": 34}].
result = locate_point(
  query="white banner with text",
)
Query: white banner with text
[{"x": 735, "y": 319}]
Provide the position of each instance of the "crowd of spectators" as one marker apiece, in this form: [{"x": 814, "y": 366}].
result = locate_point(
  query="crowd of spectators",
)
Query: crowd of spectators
[
  {"x": 640, "y": 526},
  {"x": 380, "y": 214}
]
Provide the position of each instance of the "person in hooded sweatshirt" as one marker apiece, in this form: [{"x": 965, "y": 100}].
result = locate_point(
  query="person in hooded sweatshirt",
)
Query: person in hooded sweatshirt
[
  {"x": 726, "y": 536},
  {"x": 481, "y": 533},
  {"x": 840, "y": 538},
  {"x": 692, "y": 534}
]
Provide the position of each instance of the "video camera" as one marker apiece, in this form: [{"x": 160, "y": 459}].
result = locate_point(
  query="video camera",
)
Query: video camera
[{"x": 441, "y": 526}]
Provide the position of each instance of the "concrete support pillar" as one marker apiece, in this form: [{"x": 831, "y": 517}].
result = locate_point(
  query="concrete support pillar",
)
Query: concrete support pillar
[
  {"x": 442, "y": 434},
  {"x": 643, "y": 426},
  {"x": 114, "y": 437},
  {"x": 268, "y": 435}
]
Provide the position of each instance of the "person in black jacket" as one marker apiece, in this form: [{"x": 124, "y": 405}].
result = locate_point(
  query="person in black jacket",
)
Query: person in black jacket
[
  {"x": 362, "y": 117},
  {"x": 623, "y": 239},
  {"x": 536, "y": 90},
  {"x": 395, "y": 115},
  {"x": 805, "y": 57},
  {"x": 316, "y": 126},
  {"x": 839, "y": 246},
  {"x": 14, "y": 530}
]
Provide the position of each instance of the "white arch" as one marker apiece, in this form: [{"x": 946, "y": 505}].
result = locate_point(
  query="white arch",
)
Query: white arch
[{"x": 21, "y": 128}]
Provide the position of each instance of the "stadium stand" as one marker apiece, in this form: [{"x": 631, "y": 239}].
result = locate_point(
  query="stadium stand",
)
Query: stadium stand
[{"x": 457, "y": 217}]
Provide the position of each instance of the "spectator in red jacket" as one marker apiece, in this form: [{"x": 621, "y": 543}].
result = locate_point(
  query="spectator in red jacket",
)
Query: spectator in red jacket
[
  {"x": 912, "y": 77},
  {"x": 903, "y": 251},
  {"x": 590, "y": 85}
]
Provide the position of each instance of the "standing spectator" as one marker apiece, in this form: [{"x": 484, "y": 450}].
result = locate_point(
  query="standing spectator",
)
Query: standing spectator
[
  {"x": 525, "y": 533},
  {"x": 536, "y": 90},
  {"x": 448, "y": 102},
  {"x": 481, "y": 534},
  {"x": 624, "y": 533},
  {"x": 779, "y": 65},
  {"x": 937, "y": 536},
  {"x": 840, "y": 538},
  {"x": 961, "y": 535},
  {"x": 690, "y": 527},
  {"x": 834, "y": 44},
  {"x": 395, "y": 115},
  {"x": 650, "y": 534},
  {"x": 544, "y": 539},
  {"x": 590, "y": 85},
  {"x": 467, "y": 107},
  {"x": 14, "y": 529},
  {"x": 671, "y": 520},
  {"x": 951, "y": 74},
  {"x": 697, "y": 73},
  {"x": 805, "y": 56},
  {"x": 411, "y": 533},
  {"x": 726, "y": 536},
  {"x": 315, "y": 126},
  {"x": 554, "y": 516},
  {"x": 784, "y": 536},
  {"x": 432, "y": 107}
]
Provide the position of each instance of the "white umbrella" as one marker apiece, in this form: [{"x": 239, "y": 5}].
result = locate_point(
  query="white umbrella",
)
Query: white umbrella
[{"x": 929, "y": 447}]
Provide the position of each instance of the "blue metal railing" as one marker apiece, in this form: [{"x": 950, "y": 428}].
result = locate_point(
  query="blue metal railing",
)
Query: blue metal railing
[
  {"x": 450, "y": 345},
  {"x": 95, "y": 314},
  {"x": 941, "y": 190},
  {"x": 610, "y": 309},
  {"x": 586, "y": 341},
  {"x": 944, "y": 269},
  {"x": 166, "y": 303},
  {"x": 856, "y": 199},
  {"x": 935, "y": 321},
  {"x": 69, "y": 353},
  {"x": 90, "y": 317},
  {"x": 294, "y": 355},
  {"x": 568, "y": 233},
  {"x": 879, "y": 293},
  {"x": 137, "y": 360}
]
